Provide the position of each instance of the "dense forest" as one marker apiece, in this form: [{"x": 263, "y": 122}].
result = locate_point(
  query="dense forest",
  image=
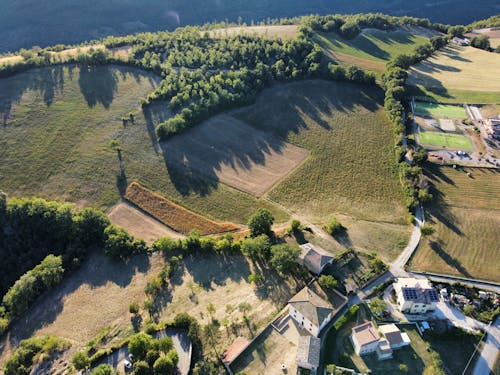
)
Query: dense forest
[{"x": 25, "y": 23}]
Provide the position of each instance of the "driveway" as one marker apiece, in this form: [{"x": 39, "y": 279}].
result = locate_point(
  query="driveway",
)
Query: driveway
[{"x": 485, "y": 363}]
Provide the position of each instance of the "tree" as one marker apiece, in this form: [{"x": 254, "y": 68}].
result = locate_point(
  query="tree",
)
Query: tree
[
  {"x": 165, "y": 344},
  {"x": 284, "y": 258},
  {"x": 378, "y": 305},
  {"x": 139, "y": 345},
  {"x": 104, "y": 369},
  {"x": 260, "y": 222},
  {"x": 377, "y": 265},
  {"x": 333, "y": 226},
  {"x": 134, "y": 308},
  {"x": 427, "y": 230},
  {"x": 80, "y": 361},
  {"x": 115, "y": 145},
  {"x": 481, "y": 41},
  {"x": 468, "y": 309},
  {"x": 327, "y": 282},
  {"x": 244, "y": 307},
  {"x": 141, "y": 368},
  {"x": 256, "y": 247},
  {"x": 295, "y": 226},
  {"x": 164, "y": 366},
  {"x": 255, "y": 278},
  {"x": 211, "y": 309}
]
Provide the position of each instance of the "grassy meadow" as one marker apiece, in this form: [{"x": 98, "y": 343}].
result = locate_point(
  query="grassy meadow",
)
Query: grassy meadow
[
  {"x": 458, "y": 75},
  {"x": 466, "y": 216},
  {"x": 371, "y": 49},
  {"x": 440, "y": 110},
  {"x": 55, "y": 129}
]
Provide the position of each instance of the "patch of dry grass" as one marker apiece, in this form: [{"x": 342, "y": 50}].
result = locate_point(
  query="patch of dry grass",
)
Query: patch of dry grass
[
  {"x": 174, "y": 216},
  {"x": 271, "y": 31}
]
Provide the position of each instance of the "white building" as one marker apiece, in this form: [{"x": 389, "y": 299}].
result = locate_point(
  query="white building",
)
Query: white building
[
  {"x": 310, "y": 311},
  {"x": 395, "y": 338},
  {"x": 365, "y": 338},
  {"x": 415, "y": 296}
]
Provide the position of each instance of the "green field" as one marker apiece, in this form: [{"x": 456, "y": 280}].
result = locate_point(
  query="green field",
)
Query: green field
[
  {"x": 56, "y": 127},
  {"x": 445, "y": 140},
  {"x": 466, "y": 216},
  {"x": 371, "y": 49},
  {"x": 452, "y": 96},
  {"x": 351, "y": 168},
  {"x": 440, "y": 110}
]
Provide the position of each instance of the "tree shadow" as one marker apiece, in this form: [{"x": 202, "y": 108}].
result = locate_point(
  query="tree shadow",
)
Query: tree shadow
[
  {"x": 343, "y": 238},
  {"x": 96, "y": 271},
  {"x": 98, "y": 85},
  {"x": 438, "y": 247}
]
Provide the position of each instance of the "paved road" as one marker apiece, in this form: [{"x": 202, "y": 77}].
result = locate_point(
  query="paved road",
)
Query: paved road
[{"x": 485, "y": 363}]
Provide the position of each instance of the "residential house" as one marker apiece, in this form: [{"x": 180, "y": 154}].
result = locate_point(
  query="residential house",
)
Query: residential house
[
  {"x": 310, "y": 311},
  {"x": 365, "y": 338},
  {"x": 384, "y": 350},
  {"x": 314, "y": 258},
  {"x": 395, "y": 338},
  {"x": 415, "y": 296},
  {"x": 308, "y": 353}
]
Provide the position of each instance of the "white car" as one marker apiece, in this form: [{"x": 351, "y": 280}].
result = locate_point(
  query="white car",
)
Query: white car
[
  {"x": 131, "y": 357},
  {"x": 127, "y": 365}
]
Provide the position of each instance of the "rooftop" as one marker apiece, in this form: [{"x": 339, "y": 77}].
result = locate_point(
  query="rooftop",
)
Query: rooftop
[
  {"x": 392, "y": 334},
  {"x": 308, "y": 350},
  {"x": 234, "y": 350},
  {"x": 416, "y": 290},
  {"x": 314, "y": 258},
  {"x": 365, "y": 333},
  {"x": 312, "y": 306}
]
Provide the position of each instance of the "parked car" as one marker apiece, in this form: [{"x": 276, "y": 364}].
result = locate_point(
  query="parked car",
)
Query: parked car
[
  {"x": 127, "y": 365},
  {"x": 131, "y": 357}
]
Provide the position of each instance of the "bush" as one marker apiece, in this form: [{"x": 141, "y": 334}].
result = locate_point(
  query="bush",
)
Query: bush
[
  {"x": 481, "y": 42},
  {"x": 333, "y": 226},
  {"x": 327, "y": 282},
  {"x": 80, "y": 361},
  {"x": 427, "y": 230},
  {"x": 104, "y": 369}
]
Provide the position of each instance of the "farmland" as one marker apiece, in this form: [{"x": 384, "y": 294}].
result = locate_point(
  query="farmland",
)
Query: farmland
[
  {"x": 458, "y": 74},
  {"x": 56, "y": 127},
  {"x": 269, "y": 31},
  {"x": 466, "y": 216},
  {"x": 445, "y": 140},
  {"x": 371, "y": 49},
  {"x": 171, "y": 214}
]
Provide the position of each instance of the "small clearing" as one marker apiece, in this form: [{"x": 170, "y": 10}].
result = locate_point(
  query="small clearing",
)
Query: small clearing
[
  {"x": 176, "y": 217},
  {"x": 228, "y": 150},
  {"x": 271, "y": 31},
  {"x": 139, "y": 224}
]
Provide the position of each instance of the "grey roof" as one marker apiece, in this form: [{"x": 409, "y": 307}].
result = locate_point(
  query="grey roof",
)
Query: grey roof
[
  {"x": 315, "y": 259},
  {"x": 312, "y": 306},
  {"x": 308, "y": 350}
]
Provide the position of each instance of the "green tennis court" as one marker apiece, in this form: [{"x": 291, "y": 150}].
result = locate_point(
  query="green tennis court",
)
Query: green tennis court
[
  {"x": 439, "y": 110},
  {"x": 445, "y": 140}
]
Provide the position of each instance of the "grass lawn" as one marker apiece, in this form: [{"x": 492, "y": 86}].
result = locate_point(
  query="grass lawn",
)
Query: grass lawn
[
  {"x": 371, "y": 49},
  {"x": 466, "y": 216},
  {"x": 445, "y": 140},
  {"x": 440, "y": 110},
  {"x": 459, "y": 74},
  {"x": 54, "y": 142}
]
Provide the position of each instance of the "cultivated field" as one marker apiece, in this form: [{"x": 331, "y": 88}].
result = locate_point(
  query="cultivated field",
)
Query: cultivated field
[
  {"x": 440, "y": 110},
  {"x": 371, "y": 49},
  {"x": 271, "y": 31},
  {"x": 351, "y": 168},
  {"x": 55, "y": 128},
  {"x": 228, "y": 150},
  {"x": 139, "y": 224},
  {"x": 445, "y": 140},
  {"x": 458, "y": 74},
  {"x": 174, "y": 216},
  {"x": 466, "y": 216}
]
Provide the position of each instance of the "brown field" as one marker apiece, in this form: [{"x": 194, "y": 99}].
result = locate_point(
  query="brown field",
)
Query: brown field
[
  {"x": 458, "y": 68},
  {"x": 271, "y": 31},
  {"x": 139, "y": 224},
  {"x": 466, "y": 217},
  {"x": 174, "y": 216},
  {"x": 493, "y": 34},
  {"x": 229, "y": 151}
]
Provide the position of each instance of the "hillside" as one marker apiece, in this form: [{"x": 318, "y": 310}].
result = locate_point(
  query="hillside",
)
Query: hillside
[{"x": 25, "y": 23}]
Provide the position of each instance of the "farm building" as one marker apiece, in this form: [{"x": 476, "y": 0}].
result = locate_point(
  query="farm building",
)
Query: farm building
[
  {"x": 314, "y": 258},
  {"x": 308, "y": 353},
  {"x": 415, "y": 296},
  {"x": 310, "y": 311}
]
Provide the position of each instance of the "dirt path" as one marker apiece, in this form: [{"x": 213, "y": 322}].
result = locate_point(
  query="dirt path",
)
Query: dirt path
[{"x": 140, "y": 224}]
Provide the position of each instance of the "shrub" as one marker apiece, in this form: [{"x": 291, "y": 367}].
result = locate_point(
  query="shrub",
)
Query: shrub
[
  {"x": 427, "y": 230},
  {"x": 104, "y": 369},
  {"x": 134, "y": 308},
  {"x": 80, "y": 361},
  {"x": 333, "y": 226},
  {"x": 255, "y": 278},
  {"x": 327, "y": 282}
]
